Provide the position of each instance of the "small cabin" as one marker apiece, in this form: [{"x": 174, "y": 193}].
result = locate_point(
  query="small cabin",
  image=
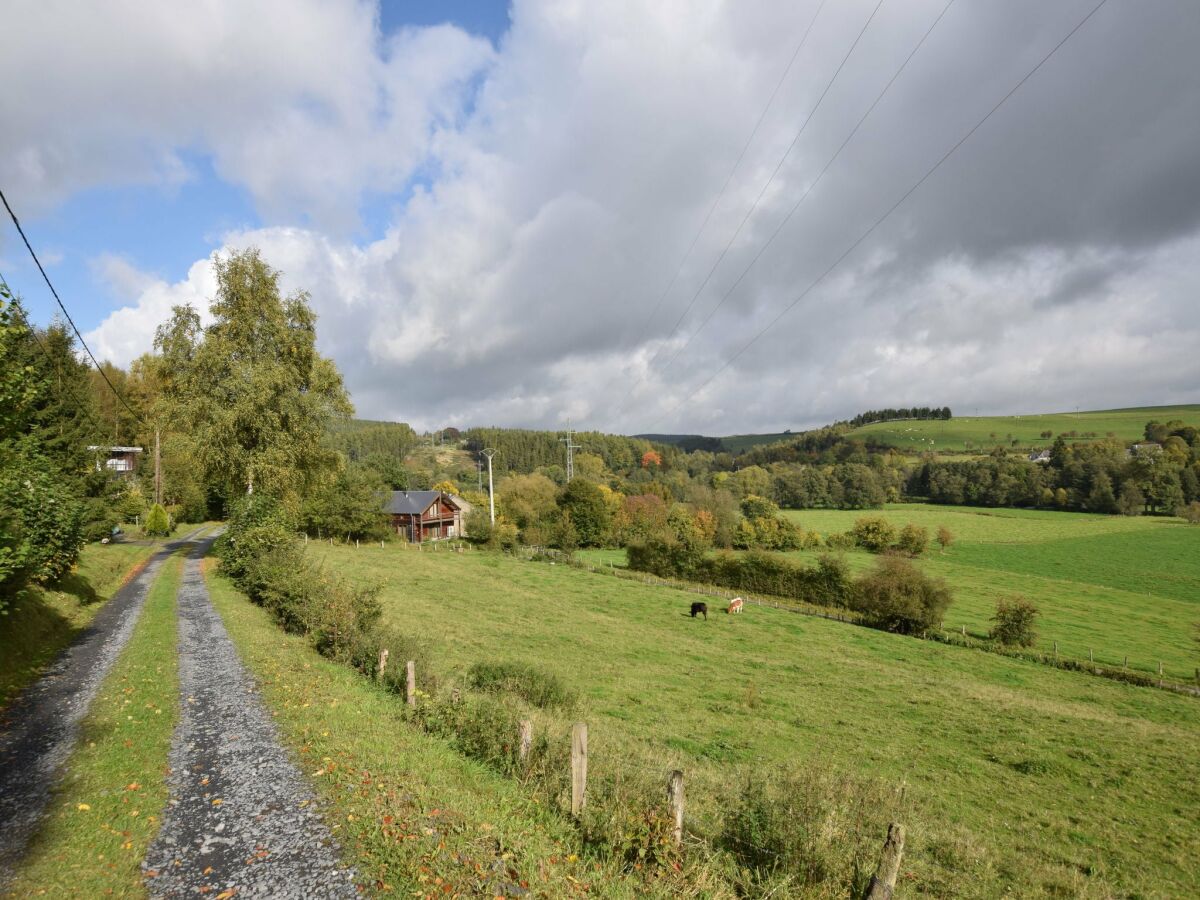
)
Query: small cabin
[
  {"x": 424, "y": 515},
  {"x": 120, "y": 461}
]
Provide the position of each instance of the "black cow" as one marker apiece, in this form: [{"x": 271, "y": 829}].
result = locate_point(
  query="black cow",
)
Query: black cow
[{"x": 700, "y": 609}]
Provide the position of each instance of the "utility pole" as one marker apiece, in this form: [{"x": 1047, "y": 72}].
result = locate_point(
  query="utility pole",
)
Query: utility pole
[
  {"x": 571, "y": 448},
  {"x": 157, "y": 468},
  {"x": 489, "y": 453}
]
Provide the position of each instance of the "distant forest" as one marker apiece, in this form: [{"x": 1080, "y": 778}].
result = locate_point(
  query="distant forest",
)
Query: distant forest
[{"x": 888, "y": 415}]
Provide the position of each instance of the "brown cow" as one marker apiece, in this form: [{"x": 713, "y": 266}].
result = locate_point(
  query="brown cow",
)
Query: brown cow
[{"x": 735, "y": 605}]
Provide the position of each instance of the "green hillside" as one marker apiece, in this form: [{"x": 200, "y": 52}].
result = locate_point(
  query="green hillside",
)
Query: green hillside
[{"x": 985, "y": 432}]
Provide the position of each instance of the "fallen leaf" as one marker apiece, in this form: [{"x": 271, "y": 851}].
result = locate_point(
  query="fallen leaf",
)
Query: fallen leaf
[
  {"x": 217, "y": 801},
  {"x": 82, "y": 807}
]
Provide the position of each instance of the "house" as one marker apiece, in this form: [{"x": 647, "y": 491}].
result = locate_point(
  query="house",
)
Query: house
[
  {"x": 120, "y": 461},
  {"x": 1040, "y": 456},
  {"x": 424, "y": 515},
  {"x": 1145, "y": 448}
]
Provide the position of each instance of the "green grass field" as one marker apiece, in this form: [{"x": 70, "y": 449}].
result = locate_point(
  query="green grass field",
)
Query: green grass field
[
  {"x": 107, "y": 808},
  {"x": 1023, "y": 780},
  {"x": 975, "y": 432},
  {"x": 1118, "y": 586}
]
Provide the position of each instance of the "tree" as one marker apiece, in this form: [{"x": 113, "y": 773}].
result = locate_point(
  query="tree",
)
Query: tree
[
  {"x": 1101, "y": 498},
  {"x": 157, "y": 523},
  {"x": 1014, "y": 620},
  {"x": 1190, "y": 513},
  {"x": 913, "y": 539},
  {"x": 589, "y": 513},
  {"x": 651, "y": 459},
  {"x": 874, "y": 533},
  {"x": 896, "y": 596},
  {"x": 945, "y": 537},
  {"x": 1132, "y": 501},
  {"x": 251, "y": 387}
]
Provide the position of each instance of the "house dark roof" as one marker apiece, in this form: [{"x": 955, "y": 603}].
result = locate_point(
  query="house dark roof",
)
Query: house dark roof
[{"x": 413, "y": 502}]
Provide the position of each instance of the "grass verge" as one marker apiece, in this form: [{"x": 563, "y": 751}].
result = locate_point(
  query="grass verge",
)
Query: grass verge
[
  {"x": 412, "y": 815},
  {"x": 44, "y": 619},
  {"x": 106, "y": 811}
]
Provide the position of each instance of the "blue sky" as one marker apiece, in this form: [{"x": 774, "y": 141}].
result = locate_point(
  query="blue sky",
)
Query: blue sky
[{"x": 163, "y": 230}]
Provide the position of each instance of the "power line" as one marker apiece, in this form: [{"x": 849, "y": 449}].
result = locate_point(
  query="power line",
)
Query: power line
[
  {"x": 729, "y": 178},
  {"x": 12, "y": 215},
  {"x": 937, "y": 165},
  {"x": 811, "y": 187},
  {"x": 754, "y": 206}
]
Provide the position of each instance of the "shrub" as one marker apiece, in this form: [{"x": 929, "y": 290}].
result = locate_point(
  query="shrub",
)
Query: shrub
[
  {"x": 913, "y": 540},
  {"x": 157, "y": 523},
  {"x": 873, "y": 533},
  {"x": 539, "y": 688},
  {"x": 1014, "y": 618},
  {"x": 840, "y": 541},
  {"x": 1190, "y": 513},
  {"x": 945, "y": 537},
  {"x": 666, "y": 556},
  {"x": 41, "y": 526},
  {"x": 811, "y": 827},
  {"x": 896, "y": 596}
]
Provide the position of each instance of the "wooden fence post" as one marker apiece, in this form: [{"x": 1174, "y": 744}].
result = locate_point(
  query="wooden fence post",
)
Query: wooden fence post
[
  {"x": 964, "y": 629},
  {"x": 1056, "y": 649},
  {"x": 1090, "y": 655},
  {"x": 1126, "y": 665},
  {"x": 578, "y": 767},
  {"x": 675, "y": 802},
  {"x": 410, "y": 683},
  {"x": 525, "y": 740},
  {"x": 883, "y": 882},
  {"x": 383, "y": 655}
]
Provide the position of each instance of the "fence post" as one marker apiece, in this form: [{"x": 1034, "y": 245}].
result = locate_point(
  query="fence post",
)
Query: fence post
[
  {"x": 410, "y": 683},
  {"x": 1090, "y": 660},
  {"x": 383, "y": 656},
  {"x": 964, "y": 630},
  {"x": 1160, "y": 678},
  {"x": 525, "y": 741},
  {"x": 578, "y": 767},
  {"x": 1056, "y": 649},
  {"x": 1126, "y": 665},
  {"x": 883, "y": 882},
  {"x": 675, "y": 802}
]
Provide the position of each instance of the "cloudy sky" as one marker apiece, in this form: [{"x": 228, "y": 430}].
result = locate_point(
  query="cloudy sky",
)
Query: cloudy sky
[{"x": 627, "y": 213}]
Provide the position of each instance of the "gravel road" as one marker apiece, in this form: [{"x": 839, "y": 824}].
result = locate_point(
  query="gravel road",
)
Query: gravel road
[
  {"x": 40, "y": 728},
  {"x": 241, "y": 817}
]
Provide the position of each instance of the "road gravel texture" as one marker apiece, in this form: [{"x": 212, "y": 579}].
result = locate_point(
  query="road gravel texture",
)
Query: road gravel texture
[
  {"x": 40, "y": 728},
  {"x": 241, "y": 817}
]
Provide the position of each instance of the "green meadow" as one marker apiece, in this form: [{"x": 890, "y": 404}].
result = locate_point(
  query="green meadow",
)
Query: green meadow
[
  {"x": 1021, "y": 779},
  {"x": 975, "y": 432},
  {"x": 1113, "y": 585}
]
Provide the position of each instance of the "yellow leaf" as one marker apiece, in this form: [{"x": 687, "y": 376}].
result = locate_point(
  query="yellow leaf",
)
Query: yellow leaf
[
  {"x": 82, "y": 807},
  {"x": 217, "y": 801}
]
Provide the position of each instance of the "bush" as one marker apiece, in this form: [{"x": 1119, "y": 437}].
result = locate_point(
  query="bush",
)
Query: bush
[
  {"x": 913, "y": 540},
  {"x": 1014, "y": 618},
  {"x": 666, "y": 557},
  {"x": 945, "y": 537},
  {"x": 896, "y": 596},
  {"x": 1190, "y": 513},
  {"x": 873, "y": 533},
  {"x": 812, "y": 828},
  {"x": 41, "y": 526},
  {"x": 840, "y": 541},
  {"x": 539, "y": 688},
  {"x": 157, "y": 523}
]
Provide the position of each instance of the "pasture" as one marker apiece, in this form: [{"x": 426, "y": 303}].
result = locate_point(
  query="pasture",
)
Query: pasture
[
  {"x": 976, "y": 432},
  {"x": 1115, "y": 585},
  {"x": 1021, "y": 779}
]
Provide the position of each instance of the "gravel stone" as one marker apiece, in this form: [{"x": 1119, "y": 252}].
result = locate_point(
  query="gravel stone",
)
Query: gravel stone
[
  {"x": 40, "y": 728},
  {"x": 241, "y": 817}
]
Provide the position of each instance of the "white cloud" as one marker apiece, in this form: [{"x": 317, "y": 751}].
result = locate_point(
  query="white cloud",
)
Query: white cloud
[{"x": 565, "y": 172}]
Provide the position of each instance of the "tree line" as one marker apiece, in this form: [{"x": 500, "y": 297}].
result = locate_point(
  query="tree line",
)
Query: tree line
[{"x": 888, "y": 415}]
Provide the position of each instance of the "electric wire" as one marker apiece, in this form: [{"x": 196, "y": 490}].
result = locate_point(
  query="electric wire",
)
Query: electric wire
[
  {"x": 21, "y": 231},
  {"x": 808, "y": 190},
  {"x": 879, "y": 221},
  {"x": 753, "y": 206}
]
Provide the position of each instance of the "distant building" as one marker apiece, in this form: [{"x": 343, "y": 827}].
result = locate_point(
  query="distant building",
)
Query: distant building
[
  {"x": 1146, "y": 448},
  {"x": 1040, "y": 456},
  {"x": 118, "y": 460},
  {"x": 425, "y": 515}
]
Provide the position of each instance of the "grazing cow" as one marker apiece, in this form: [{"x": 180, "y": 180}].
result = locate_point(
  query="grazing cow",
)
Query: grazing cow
[
  {"x": 700, "y": 609},
  {"x": 735, "y": 605}
]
